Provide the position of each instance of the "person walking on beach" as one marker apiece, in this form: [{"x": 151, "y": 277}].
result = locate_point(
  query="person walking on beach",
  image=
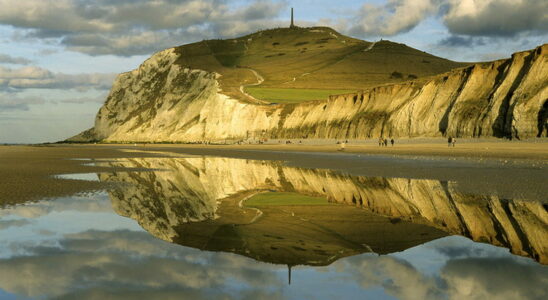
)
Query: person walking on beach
[
  {"x": 453, "y": 141},
  {"x": 392, "y": 142},
  {"x": 449, "y": 141},
  {"x": 380, "y": 141},
  {"x": 385, "y": 142}
]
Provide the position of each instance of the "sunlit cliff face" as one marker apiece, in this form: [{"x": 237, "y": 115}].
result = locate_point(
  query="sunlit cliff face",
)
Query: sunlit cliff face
[
  {"x": 163, "y": 101},
  {"x": 201, "y": 202}
]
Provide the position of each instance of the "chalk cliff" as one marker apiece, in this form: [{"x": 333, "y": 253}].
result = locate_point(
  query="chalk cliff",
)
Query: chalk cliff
[
  {"x": 163, "y": 100},
  {"x": 201, "y": 187}
]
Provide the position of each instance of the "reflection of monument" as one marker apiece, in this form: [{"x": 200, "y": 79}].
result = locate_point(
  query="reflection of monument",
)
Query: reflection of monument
[
  {"x": 199, "y": 204},
  {"x": 289, "y": 274}
]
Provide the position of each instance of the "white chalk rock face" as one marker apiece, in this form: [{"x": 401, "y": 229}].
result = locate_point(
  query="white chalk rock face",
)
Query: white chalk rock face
[{"x": 164, "y": 101}]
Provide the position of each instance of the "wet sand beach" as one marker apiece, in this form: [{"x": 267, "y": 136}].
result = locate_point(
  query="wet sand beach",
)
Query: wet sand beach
[
  {"x": 27, "y": 172},
  {"x": 508, "y": 169}
]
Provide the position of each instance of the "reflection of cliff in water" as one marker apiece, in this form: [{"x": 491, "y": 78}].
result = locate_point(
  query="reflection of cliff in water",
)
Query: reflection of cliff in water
[{"x": 197, "y": 202}]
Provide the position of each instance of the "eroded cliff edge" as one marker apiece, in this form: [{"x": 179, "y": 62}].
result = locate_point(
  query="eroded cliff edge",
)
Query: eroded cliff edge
[{"x": 164, "y": 101}]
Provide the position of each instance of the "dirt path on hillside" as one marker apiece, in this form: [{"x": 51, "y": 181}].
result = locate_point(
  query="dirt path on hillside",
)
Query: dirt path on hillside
[
  {"x": 370, "y": 47},
  {"x": 260, "y": 80}
]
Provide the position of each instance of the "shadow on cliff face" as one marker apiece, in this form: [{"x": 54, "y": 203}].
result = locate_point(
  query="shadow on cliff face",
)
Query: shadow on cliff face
[
  {"x": 444, "y": 121},
  {"x": 201, "y": 202},
  {"x": 543, "y": 120},
  {"x": 502, "y": 127}
]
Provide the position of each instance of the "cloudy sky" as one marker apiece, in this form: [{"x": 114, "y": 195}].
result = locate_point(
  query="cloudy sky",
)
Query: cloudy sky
[{"x": 59, "y": 57}]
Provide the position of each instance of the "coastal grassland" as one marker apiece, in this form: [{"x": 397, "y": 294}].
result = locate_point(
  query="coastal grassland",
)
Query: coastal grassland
[
  {"x": 285, "y": 199},
  {"x": 320, "y": 57},
  {"x": 290, "y": 95},
  {"x": 315, "y": 58}
]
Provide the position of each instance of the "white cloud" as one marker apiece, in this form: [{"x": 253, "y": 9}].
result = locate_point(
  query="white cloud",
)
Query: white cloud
[
  {"x": 11, "y": 102},
  {"x": 4, "y": 224},
  {"x": 36, "y": 77},
  {"x": 95, "y": 203},
  {"x": 80, "y": 100},
  {"x": 128, "y": 28},
  {"x": 468, "y": 273},
  {"x": 24, "y": 73},
  {"x": 494, "y": 278},
  {"x": 8, "y": 59},
  {"x": 397, "y": 277},
  {"x": 396, "y": 16},
  {"x": 131, "y": 263},
  {"x": 484, "y": 18},
  {"x": 497, "y": 17}
]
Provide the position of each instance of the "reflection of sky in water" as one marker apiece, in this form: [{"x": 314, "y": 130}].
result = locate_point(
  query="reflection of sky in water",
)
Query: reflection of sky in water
[
  {"x": 78, "y": 248},
  {"x": 79, "y": 176},
  {"x": 49, "y": 221}
]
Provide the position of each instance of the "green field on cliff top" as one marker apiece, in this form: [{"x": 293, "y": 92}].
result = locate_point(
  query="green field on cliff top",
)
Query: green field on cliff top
[
  {"x": 284, "y": 199},
  {"x": 295, "y": 61}
]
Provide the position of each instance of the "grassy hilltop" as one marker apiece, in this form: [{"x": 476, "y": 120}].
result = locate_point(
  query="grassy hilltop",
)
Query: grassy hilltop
[{"x": 299, "y": 64}]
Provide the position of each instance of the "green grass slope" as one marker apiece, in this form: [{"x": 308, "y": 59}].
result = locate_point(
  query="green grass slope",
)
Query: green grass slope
[{"x": 294, "y": 61}]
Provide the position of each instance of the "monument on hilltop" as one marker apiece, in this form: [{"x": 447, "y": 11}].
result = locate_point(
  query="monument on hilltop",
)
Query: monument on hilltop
[{"x": 292, "y": 21}]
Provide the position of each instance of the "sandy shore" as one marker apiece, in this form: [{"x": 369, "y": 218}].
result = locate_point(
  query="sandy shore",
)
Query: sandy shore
[
  {"x": 27, "y": 172},
  {"x": 513, "y": 170},
  {"x": 438, "y": 148}
]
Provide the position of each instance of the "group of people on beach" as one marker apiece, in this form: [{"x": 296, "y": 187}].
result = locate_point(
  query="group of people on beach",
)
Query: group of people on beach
[{"x": 383, "y": 142}]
